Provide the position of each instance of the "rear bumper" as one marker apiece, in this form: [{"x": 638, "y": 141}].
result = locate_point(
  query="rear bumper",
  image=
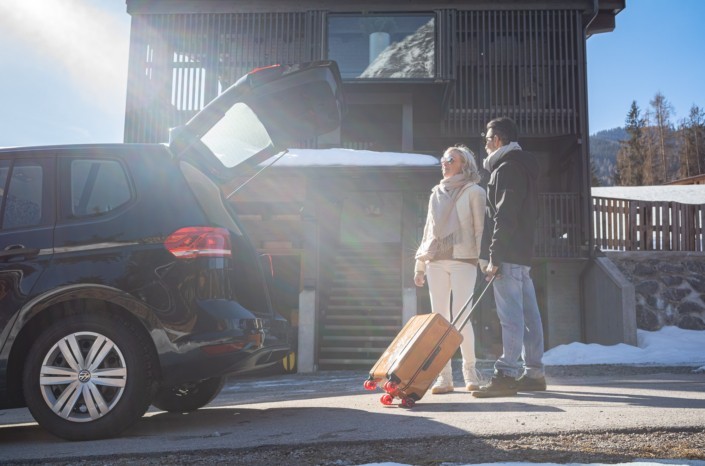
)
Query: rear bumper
[
  {"x": 229, "y": 340},
  {"x": 193, "y": 366}
]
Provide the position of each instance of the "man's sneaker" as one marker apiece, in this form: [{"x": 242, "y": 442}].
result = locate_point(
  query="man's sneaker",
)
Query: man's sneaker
[
  {"x": 472, "y": 386},
  {"x": 530, "y": 384},
  {"x": 500, "y": 385}
]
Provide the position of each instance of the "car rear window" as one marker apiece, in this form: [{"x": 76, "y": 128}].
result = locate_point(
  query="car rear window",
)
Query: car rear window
[
  {"x": 237, "y": 136},
  {"x": 97, "y": 187}
]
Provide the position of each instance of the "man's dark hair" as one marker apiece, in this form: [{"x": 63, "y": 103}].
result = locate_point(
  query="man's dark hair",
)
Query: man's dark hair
[{"x": 505, "y": 128}]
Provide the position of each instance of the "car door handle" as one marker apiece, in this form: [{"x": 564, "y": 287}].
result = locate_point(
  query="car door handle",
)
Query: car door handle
[{"x": 18, "y": 250}]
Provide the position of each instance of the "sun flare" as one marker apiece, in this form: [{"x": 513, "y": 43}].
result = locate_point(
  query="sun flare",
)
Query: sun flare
[{"x": 78, "y": 38}]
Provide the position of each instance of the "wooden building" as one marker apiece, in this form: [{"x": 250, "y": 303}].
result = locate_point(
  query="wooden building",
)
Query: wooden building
[{"x": 419, "y": 76}]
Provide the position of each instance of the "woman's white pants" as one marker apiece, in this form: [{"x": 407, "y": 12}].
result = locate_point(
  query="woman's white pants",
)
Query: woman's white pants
[{"x": 446, "y": 277}]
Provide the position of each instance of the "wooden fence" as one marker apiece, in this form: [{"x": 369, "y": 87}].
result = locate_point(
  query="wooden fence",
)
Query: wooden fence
[{"x": 630, "y": 225}]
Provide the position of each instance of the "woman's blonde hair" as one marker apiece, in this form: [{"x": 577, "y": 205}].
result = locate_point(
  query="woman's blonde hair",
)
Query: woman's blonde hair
[{"x": 469, "y": 166}]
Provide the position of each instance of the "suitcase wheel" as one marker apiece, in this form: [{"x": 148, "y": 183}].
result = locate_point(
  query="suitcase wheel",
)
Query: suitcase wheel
[
  {"x": 386, "y": 399},
  {"x": 408, "y": 402},
  {"x": 390, "y": 387},
  {"x": 369, "y": 384}
]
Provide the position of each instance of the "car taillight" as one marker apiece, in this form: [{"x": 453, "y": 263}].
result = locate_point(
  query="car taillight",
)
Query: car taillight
[{"x": 192, "y": 242}]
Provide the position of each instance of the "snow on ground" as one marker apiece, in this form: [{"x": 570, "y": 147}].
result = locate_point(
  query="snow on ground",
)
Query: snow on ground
[
  {"x": 670, "y": 346},
  {"x": 635, "y": 463}
]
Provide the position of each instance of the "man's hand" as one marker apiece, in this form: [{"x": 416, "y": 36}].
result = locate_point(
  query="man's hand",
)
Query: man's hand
[
  {"x": 419, "y": 279},
  {"x": 492, "y": 271}
]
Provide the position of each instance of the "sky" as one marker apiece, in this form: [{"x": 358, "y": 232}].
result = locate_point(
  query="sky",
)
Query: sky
[{"x": 65, "y": 67}]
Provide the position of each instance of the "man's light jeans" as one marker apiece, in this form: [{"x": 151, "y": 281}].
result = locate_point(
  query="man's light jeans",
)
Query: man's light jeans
[
  {"x": 522, "y": 332},
  {"x": 443, "y": 277}
]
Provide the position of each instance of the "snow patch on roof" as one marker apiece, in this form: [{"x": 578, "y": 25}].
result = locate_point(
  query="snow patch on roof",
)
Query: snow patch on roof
[{"x": 349, "y": 157}]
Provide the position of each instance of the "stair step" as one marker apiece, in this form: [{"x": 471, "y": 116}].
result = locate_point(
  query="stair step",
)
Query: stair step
[
  {"x": 361, "y": 307},
  {"x": 386, "y": 340},
  {"x": 372, "y": 319},
  {"x": 350, "y": 349},
  {"x": 378, "y": 284},
  {"x": 364, "y": 291},
  {"x": 375, "y": 329},
  {"x": 371, "y": 297},
  {"x": 346, "y": 362}
]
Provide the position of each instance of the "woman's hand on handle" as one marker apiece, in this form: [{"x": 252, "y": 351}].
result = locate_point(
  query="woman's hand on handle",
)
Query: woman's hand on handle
[{"x": 419, "y": 279}]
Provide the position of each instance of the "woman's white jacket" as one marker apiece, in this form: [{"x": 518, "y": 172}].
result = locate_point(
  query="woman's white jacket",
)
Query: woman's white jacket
[{"x": 471, "y": 213}]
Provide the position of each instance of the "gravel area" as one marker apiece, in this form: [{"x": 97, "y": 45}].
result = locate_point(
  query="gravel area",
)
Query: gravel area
[{"x": 586, "y": 448}]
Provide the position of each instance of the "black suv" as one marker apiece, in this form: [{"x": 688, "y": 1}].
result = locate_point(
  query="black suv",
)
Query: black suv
[{"x": 125, "y": 277}]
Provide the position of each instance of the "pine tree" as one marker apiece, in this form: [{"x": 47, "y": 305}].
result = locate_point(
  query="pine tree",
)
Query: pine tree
[
  {"x": 594, "y": 177},
  {"x": 631, "y": 155}
]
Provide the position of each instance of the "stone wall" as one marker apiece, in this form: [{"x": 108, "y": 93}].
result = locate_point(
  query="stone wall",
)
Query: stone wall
[{"x": 669, "y": 286}]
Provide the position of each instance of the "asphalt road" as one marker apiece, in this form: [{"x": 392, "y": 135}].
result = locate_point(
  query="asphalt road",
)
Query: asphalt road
[{"x": 333, "y": 407}]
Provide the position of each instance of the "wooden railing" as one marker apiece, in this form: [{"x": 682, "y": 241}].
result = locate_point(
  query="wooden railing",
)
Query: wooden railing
[{"x": 630, "y": 225}]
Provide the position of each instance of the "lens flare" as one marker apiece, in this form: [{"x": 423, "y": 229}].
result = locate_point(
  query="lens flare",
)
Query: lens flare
[{"x": 76, "y": 37}]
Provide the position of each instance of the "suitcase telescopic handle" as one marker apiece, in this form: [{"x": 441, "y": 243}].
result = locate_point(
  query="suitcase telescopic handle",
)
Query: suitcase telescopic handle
[{"x": 474, "y": 305}]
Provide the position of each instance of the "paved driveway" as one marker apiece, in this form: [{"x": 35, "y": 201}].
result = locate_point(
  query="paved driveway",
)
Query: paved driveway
[{"x": 333, "y": 407}]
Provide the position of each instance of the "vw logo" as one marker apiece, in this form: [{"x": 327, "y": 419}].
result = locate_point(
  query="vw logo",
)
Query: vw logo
[{"x": 84, "y": 376}]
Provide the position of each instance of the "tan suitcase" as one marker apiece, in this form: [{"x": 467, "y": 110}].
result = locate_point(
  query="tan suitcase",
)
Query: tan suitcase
[{"x": 416, "y": 356}]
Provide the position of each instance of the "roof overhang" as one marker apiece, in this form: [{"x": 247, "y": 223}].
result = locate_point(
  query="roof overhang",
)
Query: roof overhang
[
  {"x": 602, "y": 17},
  {"x": 605, "y": 7}
]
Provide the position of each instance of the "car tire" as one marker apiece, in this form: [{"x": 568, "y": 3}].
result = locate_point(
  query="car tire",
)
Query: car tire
[
  {"x": 188, "y": 397},
  {"x": 116, "y": 366}
]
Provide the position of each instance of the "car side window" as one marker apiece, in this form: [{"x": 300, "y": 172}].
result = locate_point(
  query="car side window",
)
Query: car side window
[
  {"x": 21, "y": 194},
  {"x": 4, "y": 171},
  {"x": 97, "y": 187}
]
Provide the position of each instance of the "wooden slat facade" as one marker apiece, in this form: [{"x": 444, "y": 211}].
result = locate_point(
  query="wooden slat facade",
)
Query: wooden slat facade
[
  {"x": 521, "y": 64},
  {"x": 525, "y": 64}
]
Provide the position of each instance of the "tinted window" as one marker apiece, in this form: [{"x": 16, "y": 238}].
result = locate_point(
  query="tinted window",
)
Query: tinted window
[
  {"x": 97, "y": 187},
  {"x": 22, "y": 194}
]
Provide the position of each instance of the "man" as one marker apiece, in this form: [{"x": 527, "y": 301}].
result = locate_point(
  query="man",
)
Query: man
[{"x": 507, "y": 250}]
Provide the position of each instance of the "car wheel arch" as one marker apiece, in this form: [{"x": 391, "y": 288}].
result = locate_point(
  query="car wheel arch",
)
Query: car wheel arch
[{"x": 34, "y": 319}]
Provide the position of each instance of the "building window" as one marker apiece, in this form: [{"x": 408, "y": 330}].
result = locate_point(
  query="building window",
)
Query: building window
[{"x": 383, "y": 46}]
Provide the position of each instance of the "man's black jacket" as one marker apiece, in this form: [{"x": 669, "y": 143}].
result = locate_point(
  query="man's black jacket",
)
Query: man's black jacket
[{"x": 512, "y": 209}]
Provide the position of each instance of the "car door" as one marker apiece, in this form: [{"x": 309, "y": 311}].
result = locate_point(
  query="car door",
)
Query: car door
[
  {"x": 27, "y": 217},
  {"x": 263, "y": 113}
]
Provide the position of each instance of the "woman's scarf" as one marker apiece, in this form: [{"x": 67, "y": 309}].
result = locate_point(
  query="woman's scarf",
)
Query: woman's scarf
[
  {"x": 443, "y": 215},
  {"x": 491, "y": 159}
]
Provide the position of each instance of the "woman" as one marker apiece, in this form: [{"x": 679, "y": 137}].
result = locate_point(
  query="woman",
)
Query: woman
[{"x": 449, "y": 251}]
